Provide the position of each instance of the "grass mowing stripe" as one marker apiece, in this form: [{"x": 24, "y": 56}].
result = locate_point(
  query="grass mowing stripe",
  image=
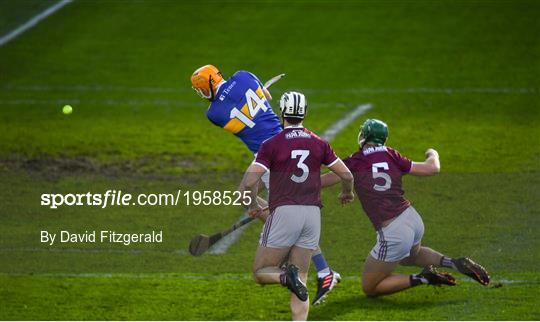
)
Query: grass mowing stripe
[
  {"x": 494, "y": 282},
  {"x": 32, "y": 22},
  {"x": 359, "y": 90},
  {"x": 329, "y": 134},
  {"x": 92, "y": 250},
  {"x": 127, "y": 102}
]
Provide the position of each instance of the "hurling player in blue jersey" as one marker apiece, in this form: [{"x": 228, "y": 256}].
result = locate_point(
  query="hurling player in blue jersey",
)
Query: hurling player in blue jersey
[{"x": 240, "y": 106}]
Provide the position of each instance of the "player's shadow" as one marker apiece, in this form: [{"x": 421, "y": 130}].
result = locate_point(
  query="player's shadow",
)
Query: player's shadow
[{"x": 366, "y": 306}]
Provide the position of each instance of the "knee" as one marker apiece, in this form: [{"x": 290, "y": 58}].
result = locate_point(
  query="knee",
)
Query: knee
[
  {"x": 257, "y": 276},
  {"x": 369, "y": 290},
  {"x": 369, "y": 287},
  {"x": 408, "y": 261}
]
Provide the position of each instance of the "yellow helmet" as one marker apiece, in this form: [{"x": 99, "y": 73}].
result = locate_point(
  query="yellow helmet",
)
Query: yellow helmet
[{"x": 205, "y": 81}]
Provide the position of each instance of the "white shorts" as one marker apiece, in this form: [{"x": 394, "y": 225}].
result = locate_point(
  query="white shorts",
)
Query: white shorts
[
  {"x": 292, "y": 225},
  {"x": 394, "y": 242},
  {"x": 266, "y": 180}
]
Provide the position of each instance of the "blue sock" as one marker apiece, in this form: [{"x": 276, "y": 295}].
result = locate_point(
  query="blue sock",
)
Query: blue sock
[{"x": 320, "y": 263}]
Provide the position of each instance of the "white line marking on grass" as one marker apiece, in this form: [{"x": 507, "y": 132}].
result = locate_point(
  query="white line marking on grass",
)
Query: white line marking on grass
[
  {"x": 104, "y": 102},
  {"x": 224, "y": 244},
  {"x": 357, "y": 90},
  {"x": 32, "y": 22},
  {"x": 342, "y": 123},
  {"x": 126, "y": 102},
  {"x": 225, "y": 276}
]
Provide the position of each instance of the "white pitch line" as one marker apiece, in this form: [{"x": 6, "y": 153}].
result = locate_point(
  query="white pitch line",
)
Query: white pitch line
[
  {"x": 342, "y": 123},
  {"x": 225, "y": 276},
  {"x": 356, "y": 90},
  {"x": 125, "y": 102},
  {"x": 225, "y": 243},
  {"x": 32, "y": 22}
]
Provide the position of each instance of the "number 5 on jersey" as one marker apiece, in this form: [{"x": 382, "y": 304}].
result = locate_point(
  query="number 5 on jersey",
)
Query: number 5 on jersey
[
  {"x": 376, "y": 174},
  {"x": 254, "y": 104}
]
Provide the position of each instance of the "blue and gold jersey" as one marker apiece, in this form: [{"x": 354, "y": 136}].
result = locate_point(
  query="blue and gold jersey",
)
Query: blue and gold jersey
[{"x": 241, "y": 108}]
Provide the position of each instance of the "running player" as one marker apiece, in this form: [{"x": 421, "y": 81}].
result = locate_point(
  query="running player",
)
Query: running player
[
  {"x": 377, "y": 171},
  {"x": 241, "y": 106},
  {"x": 291, "y": 232}
]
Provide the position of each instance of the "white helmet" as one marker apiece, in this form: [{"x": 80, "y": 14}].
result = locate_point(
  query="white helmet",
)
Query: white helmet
[{"x": 293, "y": 104}]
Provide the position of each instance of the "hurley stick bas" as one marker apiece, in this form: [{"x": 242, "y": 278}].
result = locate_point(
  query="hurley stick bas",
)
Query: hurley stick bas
[{"x": 201, "y": 243}]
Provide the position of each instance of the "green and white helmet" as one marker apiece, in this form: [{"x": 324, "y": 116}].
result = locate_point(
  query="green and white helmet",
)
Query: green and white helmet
[{"x": 373, "y": 132}]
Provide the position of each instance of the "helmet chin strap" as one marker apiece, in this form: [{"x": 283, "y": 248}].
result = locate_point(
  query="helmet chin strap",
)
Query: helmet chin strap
[
  {"x": 211, "y": 88},
  {"x": 361, "y": 140}
]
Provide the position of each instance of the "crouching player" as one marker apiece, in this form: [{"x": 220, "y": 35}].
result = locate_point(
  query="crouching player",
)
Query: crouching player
[
  {"x": 240, "y": 105},
  {"x": 291, "y": 231},
  {"x": 377, "y": 171}
]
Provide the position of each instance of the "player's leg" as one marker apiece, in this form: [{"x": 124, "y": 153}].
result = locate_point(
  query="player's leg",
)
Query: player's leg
[
  {"x": 300, "y": 257},
  {"x": 395, "y": 242},
  {"x": 324, "y": 273},
  {"x": 326, "y": 277},
  {"x": 424, "y": 256},
  {"x": 377, "y": 278},
  {"x": 302, "y": 251},
  {"x": 280, "y": 233},
  {"x": 277, "y": 237},
  {"x": 267, "y": 264}
]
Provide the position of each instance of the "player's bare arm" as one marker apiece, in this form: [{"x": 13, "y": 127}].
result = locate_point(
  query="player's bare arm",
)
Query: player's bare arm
[
  {"x": 340, "y": 170},
  {"x": 251, "y": 184},
  {"x": 431, "y": 166},
  {"x": 329, "y": 179}
]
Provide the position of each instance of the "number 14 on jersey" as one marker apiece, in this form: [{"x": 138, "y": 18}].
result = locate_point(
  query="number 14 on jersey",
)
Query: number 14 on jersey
[{"x": 254, "y": 103}]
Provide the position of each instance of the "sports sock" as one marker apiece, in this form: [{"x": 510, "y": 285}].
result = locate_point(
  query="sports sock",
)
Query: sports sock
[
  {"x": 283, "y": 278},
  {"x": 447, "y": 262},
  {"x": 416, "y": 280},
  {"x": 321, "y": 265},
  {"x": 323, "y": 273}
]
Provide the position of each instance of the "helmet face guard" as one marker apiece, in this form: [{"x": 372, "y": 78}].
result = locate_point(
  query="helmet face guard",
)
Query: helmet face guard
[
  {"x": 293, "y": 105},
  {"x": 200, "y": 92},
  {"x": 205, "y": 81}
]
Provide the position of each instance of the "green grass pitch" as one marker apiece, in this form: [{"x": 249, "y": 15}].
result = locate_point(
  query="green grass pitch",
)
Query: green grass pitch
[{"x": 459, "y": 76}]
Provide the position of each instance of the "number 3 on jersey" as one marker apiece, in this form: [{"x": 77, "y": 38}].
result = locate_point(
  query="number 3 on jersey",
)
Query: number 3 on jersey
[
  {"x": 376, "y": 174},
  {"x": 254, "y": 104},
  {"x": 303, "y": 154}
]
